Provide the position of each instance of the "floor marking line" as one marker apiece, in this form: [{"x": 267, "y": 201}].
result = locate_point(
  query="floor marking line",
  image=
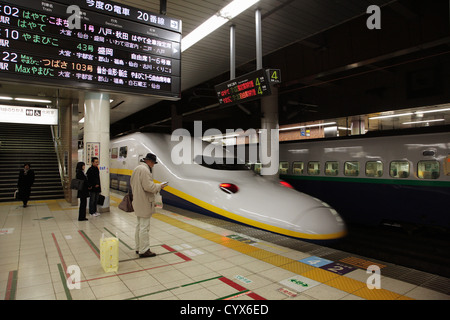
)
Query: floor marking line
[
  {"x": 64, "y": 282},
  {"x": 241, "y": 290},
  {"x": 260, "y": 255},
  {"x": 130, "y": 272},
  {"x": 235, "y": 295},
  {"x": 120, "y": 240},
  {"x": 90, "y": 243},
  {"x": 11, "y": 288},
  {"x": 60, "y": 255}
]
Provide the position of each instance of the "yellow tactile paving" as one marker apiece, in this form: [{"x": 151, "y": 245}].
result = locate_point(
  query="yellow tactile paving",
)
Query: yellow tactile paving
[
  {"x": 245, "y": 249},
  {"x": 230, "y": 243},
  {"x": 345, "y": 284},
  {"x": 376, "y": 294},
  {"x": 213, "y": 237},
  {"x": 54, "y": 206},
  {"x": 337, "y": 281},
  {"x": 296, "y": 267},
  {"x": 320, "y": 275},
  {"x": 277, "y": 260},
  {"x": 261, "y": 254}
]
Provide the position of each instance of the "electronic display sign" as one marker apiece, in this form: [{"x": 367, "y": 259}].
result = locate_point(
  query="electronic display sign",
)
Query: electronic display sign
[
  {"x": 251, "y": 86},
  {"x": 113, "y": 48}
]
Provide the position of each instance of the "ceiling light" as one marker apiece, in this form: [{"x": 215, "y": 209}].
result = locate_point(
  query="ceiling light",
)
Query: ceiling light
[
  {"x": 6, "y": 98},
  {"x": 430, "y": 111},
  {"x": 33, "y": 100},
  {"x": 392, "y": 116},
  {"x": 423, "y": 121},
  {"x": 227, "y": 13},
  {"x": 308, "y": 126}
]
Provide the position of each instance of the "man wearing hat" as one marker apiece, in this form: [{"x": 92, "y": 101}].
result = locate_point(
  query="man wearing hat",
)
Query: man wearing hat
[{"x": 144, "y": 190}]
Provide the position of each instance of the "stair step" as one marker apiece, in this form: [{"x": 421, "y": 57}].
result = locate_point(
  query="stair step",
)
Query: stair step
[{"x": 32, "y": 144}]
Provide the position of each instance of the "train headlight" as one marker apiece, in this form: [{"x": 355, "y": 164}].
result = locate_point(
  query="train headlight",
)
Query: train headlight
[
  {"x": 286, "y": 184},
  {"x": 229, "y": 188}
]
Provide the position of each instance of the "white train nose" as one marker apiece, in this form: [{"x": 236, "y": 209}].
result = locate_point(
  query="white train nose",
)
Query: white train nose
[{"x": 324, "y": 222}]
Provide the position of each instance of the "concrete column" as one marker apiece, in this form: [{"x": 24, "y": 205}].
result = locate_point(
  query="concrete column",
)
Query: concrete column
[
  {"x": 74, "y": 150},
  {"x": 96, "y": 138},
  {"x": 232, "y": 52}
]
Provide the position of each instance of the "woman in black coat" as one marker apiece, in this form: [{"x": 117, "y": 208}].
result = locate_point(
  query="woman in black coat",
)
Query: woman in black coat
[
  {"x": 83, "y": 194},
  {"x": 26, "y": 180}
]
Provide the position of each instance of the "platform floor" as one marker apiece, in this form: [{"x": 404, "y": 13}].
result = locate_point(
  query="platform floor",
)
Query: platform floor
[{"x": 195, "y": 260}]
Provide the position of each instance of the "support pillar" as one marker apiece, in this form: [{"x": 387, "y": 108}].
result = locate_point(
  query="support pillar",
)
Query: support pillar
[
  {"x": 74, "y": 150},
  {"x": 232, "y": 52},
  {"x": 96, "y": 138}
]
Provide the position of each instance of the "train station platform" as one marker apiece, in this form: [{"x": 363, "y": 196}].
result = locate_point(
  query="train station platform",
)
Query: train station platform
[{"x": 198, "y": 258}]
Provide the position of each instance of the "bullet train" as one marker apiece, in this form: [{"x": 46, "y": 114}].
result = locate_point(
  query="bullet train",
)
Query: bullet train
[
  {"x": 227, "y": 191},
  {"x": 401, "y": 180}
]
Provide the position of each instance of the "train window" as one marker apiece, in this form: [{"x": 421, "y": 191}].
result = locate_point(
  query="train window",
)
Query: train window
[
  {"x": 114, "y": 153},
  {"x": 314, "y": 168},
  {"x": 428, "y": 169},
  {"x": 351, "y": 168},
  {"x": 123, "y": 152},
  {"x": 374, "y": 169},
  {"x": 221, "y": 163},
  {"x": 257, "y": 168},
  {"x": 331, "y": 168},
  {"x": 297, "y": 168},
  {"x": 399, "y": 169},
  {"x": 284, "y": 167}
]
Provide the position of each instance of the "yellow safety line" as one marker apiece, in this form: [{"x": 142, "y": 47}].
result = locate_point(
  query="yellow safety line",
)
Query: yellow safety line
[{"x": 332, "y": 279}]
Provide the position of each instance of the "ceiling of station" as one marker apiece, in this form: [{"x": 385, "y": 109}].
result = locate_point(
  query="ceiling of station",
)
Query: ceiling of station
[{"x": 285, "y": 25}]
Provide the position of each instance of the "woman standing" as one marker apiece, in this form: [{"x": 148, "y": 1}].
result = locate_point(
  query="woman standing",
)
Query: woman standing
[
  {"x": 26, "y": 180},
  {"x": 83, "y": 194}
]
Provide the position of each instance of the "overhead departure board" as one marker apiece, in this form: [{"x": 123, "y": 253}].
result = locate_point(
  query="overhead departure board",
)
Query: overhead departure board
[
  {"x": 248, "y": 87},
  {"x": 113, "y": 48}
]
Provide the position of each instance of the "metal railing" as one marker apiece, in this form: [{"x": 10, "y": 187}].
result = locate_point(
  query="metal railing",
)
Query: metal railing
[{"x": 57, "y": 145}]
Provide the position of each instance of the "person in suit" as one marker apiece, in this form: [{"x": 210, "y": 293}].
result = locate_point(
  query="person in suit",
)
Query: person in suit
[
  {"x": 93, "y": 175},
  {"x": 144, "y": 190},
  {"x": 25, "y": 182},
  {"x": 82, "y": 194}
]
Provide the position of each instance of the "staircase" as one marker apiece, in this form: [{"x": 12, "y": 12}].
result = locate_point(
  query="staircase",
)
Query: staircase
[{"x": 26, "y": 143}]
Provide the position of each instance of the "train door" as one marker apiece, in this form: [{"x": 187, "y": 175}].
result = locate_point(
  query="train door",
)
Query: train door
[
  {"x": 122, "y": 164},
  {"x": 447, "y": 165}
]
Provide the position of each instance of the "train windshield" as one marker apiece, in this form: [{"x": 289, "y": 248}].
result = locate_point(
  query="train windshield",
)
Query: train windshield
[{"x": 230, "y": 164}]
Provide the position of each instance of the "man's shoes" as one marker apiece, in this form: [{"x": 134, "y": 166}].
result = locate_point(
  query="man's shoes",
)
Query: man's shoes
[
  {"x": 95, "y": 214},
  {"x": 84, "y": 219},
  {"x": 147, "y": 254}
]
